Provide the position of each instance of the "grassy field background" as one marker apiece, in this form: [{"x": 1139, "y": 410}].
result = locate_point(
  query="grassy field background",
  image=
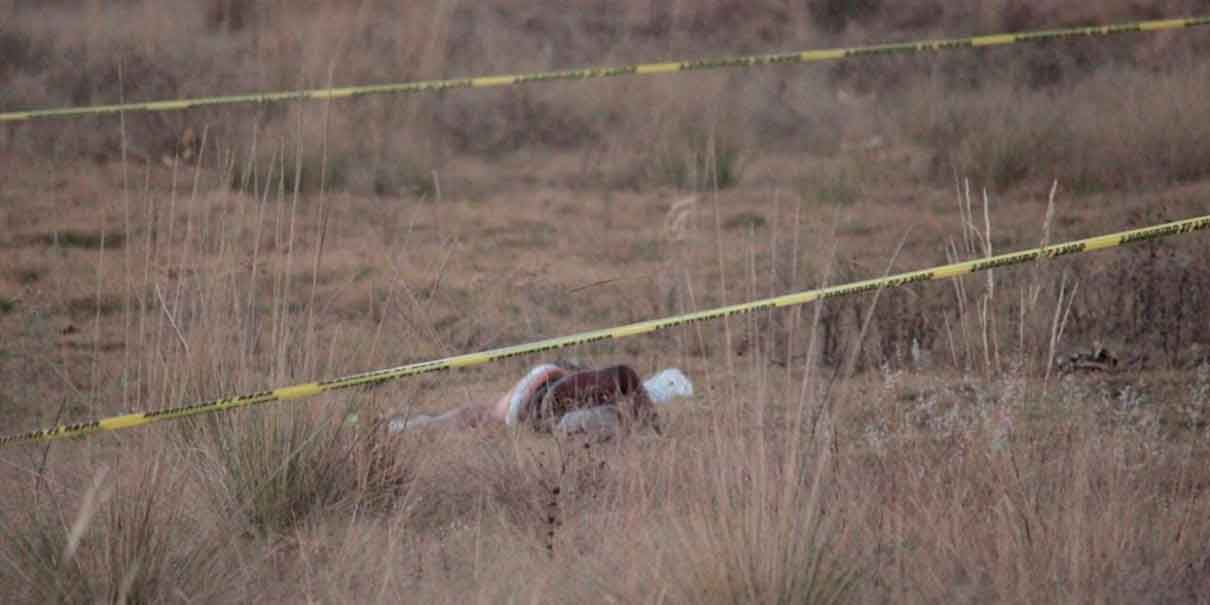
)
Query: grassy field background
[{"x": 916, "y": 445}]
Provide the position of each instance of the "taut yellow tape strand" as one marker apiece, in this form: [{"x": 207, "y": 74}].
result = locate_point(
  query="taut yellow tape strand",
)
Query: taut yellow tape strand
[
  {"x": 473, "y": 359},
  {"x": 646, "y": 69}
]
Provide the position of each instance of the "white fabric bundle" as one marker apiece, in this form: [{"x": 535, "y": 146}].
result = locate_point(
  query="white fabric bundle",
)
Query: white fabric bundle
[{"x": 668, "y": 385}]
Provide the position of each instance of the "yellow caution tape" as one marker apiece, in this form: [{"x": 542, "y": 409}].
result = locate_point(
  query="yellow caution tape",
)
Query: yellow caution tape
[
  {"x": 473, "y": 359},
  {"x": 810, "y": 56}
]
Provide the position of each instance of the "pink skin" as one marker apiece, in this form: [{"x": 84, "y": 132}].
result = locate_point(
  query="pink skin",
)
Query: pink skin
[{"x": 561, "y": 391}]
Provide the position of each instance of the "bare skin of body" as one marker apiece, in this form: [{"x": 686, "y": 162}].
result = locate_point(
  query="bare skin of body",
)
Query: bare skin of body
[{"x": 554, "y": 397}]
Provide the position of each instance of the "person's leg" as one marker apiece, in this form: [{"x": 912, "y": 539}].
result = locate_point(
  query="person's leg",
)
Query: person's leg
[
  {"x": 510, "y": 409},
  {"x": 467, "y": 416}
]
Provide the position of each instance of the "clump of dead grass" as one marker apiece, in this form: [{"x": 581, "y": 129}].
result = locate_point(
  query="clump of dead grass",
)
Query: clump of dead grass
[
  {"x": 274, "y": 469},
  {"x": 127, "y": 533}
]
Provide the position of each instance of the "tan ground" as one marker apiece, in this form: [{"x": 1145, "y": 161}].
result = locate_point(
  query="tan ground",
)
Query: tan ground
[{"x": 918, "y": 450}]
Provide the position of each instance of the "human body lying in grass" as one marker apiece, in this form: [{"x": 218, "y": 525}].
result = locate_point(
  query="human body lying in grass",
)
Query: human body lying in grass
[{"x": 565, "y": 398}]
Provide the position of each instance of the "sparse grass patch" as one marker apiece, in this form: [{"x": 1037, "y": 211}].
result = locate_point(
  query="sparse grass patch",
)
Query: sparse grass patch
[
  {"x": 745, "y": 221},
  {"x": 855, "y": 227},
  {"x": 403, "y": 177},
  {"x": 831, "y": 184},
  {"x": 649, "y": 250},
  {"x": 523, "y": 234},
  {"x": 834, "y": 15},
  {"x": 698, "y": 159},
  {"x": 28, "y": 276},
  {"x": 1003, "y": 134},
  {"x": 232, "y": 16},
  {"x": 87, "y": 240},
  {"x": 105, "y": 305},
  {"x": 289, "y": 169},
  {"x": 7, "y": 305}
]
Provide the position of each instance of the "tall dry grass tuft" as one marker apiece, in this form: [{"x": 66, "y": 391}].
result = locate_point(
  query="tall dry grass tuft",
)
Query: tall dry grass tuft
[
  {"x": 749, "y": 525},
  {"x": 275, "y": 469},
  {"x": 134, "y": 534}
]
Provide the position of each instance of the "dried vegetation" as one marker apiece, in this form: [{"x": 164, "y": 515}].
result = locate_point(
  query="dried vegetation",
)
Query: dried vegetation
[{"x": 912, "y": 445}]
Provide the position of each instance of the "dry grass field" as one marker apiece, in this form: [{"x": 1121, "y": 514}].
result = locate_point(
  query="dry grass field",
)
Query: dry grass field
[{"x": 912, "y": 445}]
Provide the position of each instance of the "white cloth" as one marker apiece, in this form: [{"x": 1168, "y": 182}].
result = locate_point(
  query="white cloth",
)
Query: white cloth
[{"x": 668, "y": 385}]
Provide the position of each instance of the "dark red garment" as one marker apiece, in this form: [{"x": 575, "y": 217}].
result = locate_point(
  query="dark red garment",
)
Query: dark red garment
[{"x": 616, "y": 385}]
